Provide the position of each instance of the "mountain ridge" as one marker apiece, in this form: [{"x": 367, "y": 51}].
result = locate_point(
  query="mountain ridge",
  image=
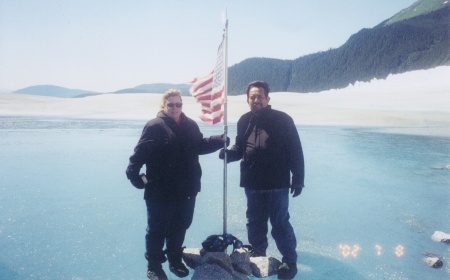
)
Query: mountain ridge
[
  {"x": 419, "y": 42},
  {"x": 418, "y": 8},
  {"x": 415, "y": 38},
  {"x": 55, "y": 91}
]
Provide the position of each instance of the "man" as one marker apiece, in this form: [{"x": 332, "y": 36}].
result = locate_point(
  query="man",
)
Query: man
[
  {"x": 269, "y": 147},
  {"x": 169, "y": 146}
]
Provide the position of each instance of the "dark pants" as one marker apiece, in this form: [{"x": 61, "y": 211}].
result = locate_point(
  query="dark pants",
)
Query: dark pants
[
  {"x": 167, "y": 222},
  {"x": 263, "y": 206}
]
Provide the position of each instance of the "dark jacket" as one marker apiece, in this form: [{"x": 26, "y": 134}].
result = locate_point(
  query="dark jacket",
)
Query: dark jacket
[
  {"x": 270, "y": 149},
  {"x": 171, "y": 152}
]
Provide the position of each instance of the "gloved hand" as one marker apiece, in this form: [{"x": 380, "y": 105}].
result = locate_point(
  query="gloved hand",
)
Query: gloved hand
[
  {"x": 296, "y": 190},
  {"x": 221, "y": 138},
  {"x": 134, "y": 177},
  {"x": 137, "y": 182},
  {"x": 222, "y": 153}
]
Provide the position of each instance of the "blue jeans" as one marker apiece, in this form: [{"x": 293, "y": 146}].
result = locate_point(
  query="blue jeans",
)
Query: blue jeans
[
  {"x": 273, "y": 205},
  {"x": 167, "y": 223}
]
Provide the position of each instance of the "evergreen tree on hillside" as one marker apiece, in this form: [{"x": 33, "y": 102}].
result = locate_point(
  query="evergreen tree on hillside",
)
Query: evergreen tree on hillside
[{"x": 419, "y": 42}]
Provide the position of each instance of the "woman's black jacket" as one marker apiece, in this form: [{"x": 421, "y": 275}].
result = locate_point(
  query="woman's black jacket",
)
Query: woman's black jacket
[{"x": 171, "y": 152}]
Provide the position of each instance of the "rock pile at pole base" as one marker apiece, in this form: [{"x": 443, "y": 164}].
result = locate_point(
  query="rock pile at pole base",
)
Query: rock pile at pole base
[{"x": 220, "y": 265}]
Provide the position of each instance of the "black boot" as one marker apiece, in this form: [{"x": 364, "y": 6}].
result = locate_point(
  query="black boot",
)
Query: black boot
[
  {"x": 287, "y": 271},
  {"x": 176, "y": 265},
  {"x": 155, "y": 271},
  {"x": 154, "y": 267}
]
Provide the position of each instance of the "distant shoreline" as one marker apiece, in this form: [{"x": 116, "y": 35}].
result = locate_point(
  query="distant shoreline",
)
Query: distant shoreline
[
  {"x": 415, "y": 101},
  {"x": 305, "y": 112}
]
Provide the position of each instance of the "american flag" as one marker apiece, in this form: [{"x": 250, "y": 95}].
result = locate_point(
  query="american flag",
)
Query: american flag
[{"x": 208, "y": 91}]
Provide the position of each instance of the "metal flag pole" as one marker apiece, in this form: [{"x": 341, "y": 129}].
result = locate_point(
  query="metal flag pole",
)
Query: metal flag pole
[{"x": 225, "y": 123}]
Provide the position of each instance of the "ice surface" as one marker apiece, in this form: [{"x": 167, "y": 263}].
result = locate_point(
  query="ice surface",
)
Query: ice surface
[{"x": 372, "y": 200}]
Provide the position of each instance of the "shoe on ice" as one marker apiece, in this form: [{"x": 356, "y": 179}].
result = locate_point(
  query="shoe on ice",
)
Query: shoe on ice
[
  {"x": 287, "y": 271},
  {"x": 176, "y": 264},
  {"x": 156, "y": 272}
]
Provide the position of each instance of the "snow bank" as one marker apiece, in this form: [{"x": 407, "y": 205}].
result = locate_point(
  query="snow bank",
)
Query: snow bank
[{"x": 417, "y": 98}]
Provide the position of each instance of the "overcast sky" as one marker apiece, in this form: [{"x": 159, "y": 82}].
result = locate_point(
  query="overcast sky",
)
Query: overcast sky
[{"x": 107, "y": 45}]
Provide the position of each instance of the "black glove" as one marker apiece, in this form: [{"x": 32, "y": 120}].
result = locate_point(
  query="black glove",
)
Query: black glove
[
  {"x": 222, "y": 153},
  {"x": 232, "y": 154},
  {"x": 296, "y": 190},
  {"x": 137, "y": 183},
  {"x": 135, "y": 179},
  {"x": 221, "y": 138}
]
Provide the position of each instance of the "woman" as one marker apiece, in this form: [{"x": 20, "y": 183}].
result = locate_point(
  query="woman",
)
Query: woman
[{"x": 169, "y": 146}]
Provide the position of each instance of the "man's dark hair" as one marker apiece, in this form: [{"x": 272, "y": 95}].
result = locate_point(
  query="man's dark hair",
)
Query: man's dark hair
[{"x": 259, "y": 84}]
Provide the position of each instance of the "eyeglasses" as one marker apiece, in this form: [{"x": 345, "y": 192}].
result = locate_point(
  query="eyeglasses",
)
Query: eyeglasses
[{"x": 171, "y": 105}]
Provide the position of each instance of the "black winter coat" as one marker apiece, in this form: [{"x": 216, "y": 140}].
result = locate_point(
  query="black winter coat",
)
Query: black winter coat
[
  {"x": 171, "y": 152},
  {"x": 270, "y": 149}
]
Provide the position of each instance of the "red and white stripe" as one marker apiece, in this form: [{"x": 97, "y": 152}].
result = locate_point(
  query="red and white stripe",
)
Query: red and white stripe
[{"x": 208, "y": 91}]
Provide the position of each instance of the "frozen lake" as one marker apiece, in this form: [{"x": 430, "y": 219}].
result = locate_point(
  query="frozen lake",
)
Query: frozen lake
[{"x": 373, "y": 198}]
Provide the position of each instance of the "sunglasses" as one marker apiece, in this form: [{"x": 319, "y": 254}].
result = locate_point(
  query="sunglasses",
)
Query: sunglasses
[{"x": 171, "y": 105}]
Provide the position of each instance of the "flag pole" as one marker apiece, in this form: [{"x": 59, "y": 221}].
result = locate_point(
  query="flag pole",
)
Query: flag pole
[{"x": 225, "y": 123}]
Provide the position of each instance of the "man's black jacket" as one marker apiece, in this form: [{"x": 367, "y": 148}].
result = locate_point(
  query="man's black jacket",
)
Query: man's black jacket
[{"x": 270, "y": 149}]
